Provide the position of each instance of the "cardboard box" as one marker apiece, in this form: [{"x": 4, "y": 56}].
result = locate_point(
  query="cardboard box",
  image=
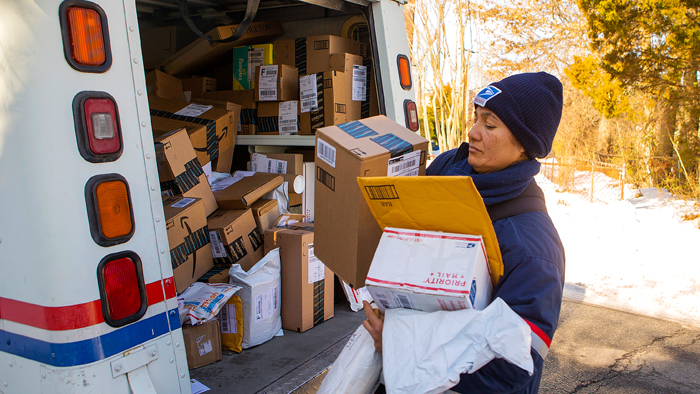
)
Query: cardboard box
[
  {"x": 201, "y": 54},
  {"x": 241, "y": 193},
  {"x": 307, "y": 284},
  {"x": 291, "y": 52},
  {"x": 196, "y": 132},
  {"x": 246, "y": 59},
  {"x": 429, "y": 271},
  {"x": 234, "y": 238},
  {"x": 356, "y": 82},
  {"x": 277, "y": 117},
  {"x": 218, "y": 123},
  {"x": 225, "y": 159},
  {"x": 202, "y": 343},
  {"x": 277, "y": 83},
  {"x": 332, "y": 105},
  {"x": 160, "y": 43},
  {"x": 347, "y": 233},
  {"x": 246, "y": 99},
  {"x": 160, "y": 84},
  {"x": 294, "y": 176},
  {"x": 215, "y": 275},
  {"x": 312, "y": 54},
  {"x": 266, "y": 214},
  {"x": 289, "y": 218},
  {"x": 190, "y": 253},
  {"x": 198, "y": 85},
  {"x": 179, "y": 170}
]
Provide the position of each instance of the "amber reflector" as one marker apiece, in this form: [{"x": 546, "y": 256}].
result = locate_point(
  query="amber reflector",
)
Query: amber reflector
[
  {"x": 113, "y": 209},
  {"x": 87, "y": 43},
  {"x": 404, "y": 72}
]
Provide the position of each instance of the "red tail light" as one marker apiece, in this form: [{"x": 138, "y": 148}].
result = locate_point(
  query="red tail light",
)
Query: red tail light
[
  {"x": 97, "y": 126},
  {"x": 122, "y": 289},
  {"x": 411, "y": 113}
]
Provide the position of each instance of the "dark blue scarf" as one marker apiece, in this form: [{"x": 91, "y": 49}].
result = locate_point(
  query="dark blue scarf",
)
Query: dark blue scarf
[{"x": 501, "y": 185}]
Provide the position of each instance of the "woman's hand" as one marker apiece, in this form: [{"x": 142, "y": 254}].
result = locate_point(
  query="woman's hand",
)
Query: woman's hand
[{"x": 374, "y": 324}]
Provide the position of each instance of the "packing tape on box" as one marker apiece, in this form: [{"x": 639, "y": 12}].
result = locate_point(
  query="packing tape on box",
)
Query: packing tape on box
[
  {"x": 191, "y": 244},
  {"x": 212, "y": 147},
  {"x": 396, "y": 145},
  {"x": 186, "y": 180},
  {"x": 319, "y": 307},
  {"x": 249, "y": 116},
  {"x": 318, "y": 118},
  {"x": 357, "y": 129},
  {"x": 364, "y": 106},
  {"x": 236, "y": 250},
  {"x": 300, "y": 54}
]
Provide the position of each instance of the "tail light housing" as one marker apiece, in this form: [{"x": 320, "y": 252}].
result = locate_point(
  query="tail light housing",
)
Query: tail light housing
[
  {"x": 97, "y": 127},
  {"x": 404, "y": 72},
  {"x": 122, "y": 289},
  {"x": 410, "y": 111},
  {"x": 85, "y": 36},
  {"x": 109, "y": 209}
]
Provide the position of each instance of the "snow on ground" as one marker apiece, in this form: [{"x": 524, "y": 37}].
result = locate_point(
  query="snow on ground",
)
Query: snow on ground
[{"x": 638, "y": 253}]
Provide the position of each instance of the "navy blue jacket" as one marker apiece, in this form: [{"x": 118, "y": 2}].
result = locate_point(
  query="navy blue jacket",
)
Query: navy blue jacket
[{"x": 532, "y": 285}]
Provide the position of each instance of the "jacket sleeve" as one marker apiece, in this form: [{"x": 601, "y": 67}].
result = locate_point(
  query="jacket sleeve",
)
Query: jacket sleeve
[
  {"x": 441, "y": 164},
  {"x": 533, "y": 288}
]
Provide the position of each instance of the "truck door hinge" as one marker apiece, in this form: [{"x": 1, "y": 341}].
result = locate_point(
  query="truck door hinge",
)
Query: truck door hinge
[{"x": 133, "y": 364}]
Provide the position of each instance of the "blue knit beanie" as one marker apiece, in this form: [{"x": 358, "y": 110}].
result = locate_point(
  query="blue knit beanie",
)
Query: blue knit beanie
[{"x": 530, "y": 105}]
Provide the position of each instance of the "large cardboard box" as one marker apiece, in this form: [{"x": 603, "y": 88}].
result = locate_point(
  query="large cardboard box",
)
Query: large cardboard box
[
  {"x": 291, "y": 52},
  {"x": 225, "y": 159},
  {"x": 215, "y": 275},
  {"x": 266, "y": 214},
  {"x": 179, "y": 170},
  {"x": 277, "y": 117},
  {"x": 241, "y": 193},
  {"x": 234, "y": 238},
  {"x": 159, "y": 43},
  {"x": 246, "y": 59},
  {"x": 277, "y": 83},
  {"x": 190, "y": 253},
  {"x": 312, "y": 54},
  {"x": 196, "y": 132},
  {"x": 346, "y": 232},
  {"x": 307, "y": 284},
  {"x": 202, "y": 343},
  {"x": 160, "y": 84},
  {"x": 218, "y": 123},
  {"x": 330, "y": 93},
  {"x": 429, "y": 271},
  {"x": 246, "y": 99},
  {"x": 356, "y": 81},
  {"x": 198, "y": 85},
  {"x": 200, "y": 54}
]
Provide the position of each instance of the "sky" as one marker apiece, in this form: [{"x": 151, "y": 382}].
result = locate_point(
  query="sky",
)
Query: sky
[{"x": 638, "y": 254}]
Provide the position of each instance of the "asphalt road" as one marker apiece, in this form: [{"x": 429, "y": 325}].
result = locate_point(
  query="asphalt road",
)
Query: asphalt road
[{"x": 601, "y": 350}]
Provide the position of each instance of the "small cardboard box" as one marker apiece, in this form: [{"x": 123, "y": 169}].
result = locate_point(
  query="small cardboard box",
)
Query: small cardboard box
[
  {"x": 295, "y": 161},
  {"x": 291, "y": 52},
  {"x": 234, "y": 238},
  {"x": 429, "y": 271},
  {"x": 159, "y": 43},
  {"x": 246, "y": 59},
  {"x": 277, "y": 118},
  {"x": 331, "y": 98},
  {"x": 356, "y": 80},
  {"x": 240, "y": 193},
  {"x": 190, "y": 252},
  {"x": 246, "y": 99},
  {"x": 225, "y": 159},
  {"x": 202, "y": 343},
  {"x": 307, "y": 284},
  {"x": 179, "y": 170},
  {"x": 218, "y": 122},
  {"x": 289, "y": 218},
  {"x": 277, "y": 83},
  {"x": 266, "y": 214},
  {"x": 200, "y": 54},
  {"x": 196, "y": 132},
  {"x": 198, "y": 85},
  {"x": 347, "y": 233},
  {"x": 160, "y": 84},
  {"x": 312, "y": 54}
]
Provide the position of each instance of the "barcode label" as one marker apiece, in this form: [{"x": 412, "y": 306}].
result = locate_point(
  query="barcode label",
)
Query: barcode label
[
  {"x": 266, "y": 304},
  {"x": 309, "y": 93},
  {"x": 359, "y": 83},
  {"x": 183, "y": 203},
  {"x": 217, "y": 247},
  {"x": 229, "y": 325},
  {"x": 267, "y": 83},
  {"x": 223, "y": 318},
  {"x": 385, "y": 192},
  {"x": 403, "y": 301},
  {"x": 404, "y": 165},
  {"x": 255, "y": 59},
  {"x": 275, "y": 166},
  {"x": 325, "y": 152},
  {"x": 193, "y": 110},
  {"x": 288, "y": 117},
  {"x": 317, "y": 271}
]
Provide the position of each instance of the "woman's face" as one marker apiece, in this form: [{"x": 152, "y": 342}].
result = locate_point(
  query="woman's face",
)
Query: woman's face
[{"x": 492, "y": 147}]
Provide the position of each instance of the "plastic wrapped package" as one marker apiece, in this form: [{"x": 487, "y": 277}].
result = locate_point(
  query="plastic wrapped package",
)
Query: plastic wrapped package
[
  {"x": 201, "y": 302},
  {"x": 260, "y": 298}
]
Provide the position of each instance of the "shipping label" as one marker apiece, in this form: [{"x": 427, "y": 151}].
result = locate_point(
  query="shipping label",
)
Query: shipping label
[
  {"x": 404, "y": 165},
  {"x": 359, "y": 83},
  {"x": 255, "y": 59},
  {"x": 183, "y": 203},
  {"x": 217, "y": 247},
  {"x": 325, "y": 152},
  {"x": 194, "y": 110},
  {"x": 266, "y": 304},
  {"x": 267, "y": 87},
  {"x": 288, "y": 118},
  {"x": 317, "y": 271},
  {"x": 204, "y": 347},
  {"x": 308, "y": 92},
  {"x": 228, "y": 319}
]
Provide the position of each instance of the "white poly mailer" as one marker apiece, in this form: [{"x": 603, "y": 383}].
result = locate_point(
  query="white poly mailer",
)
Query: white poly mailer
[
  {"x": 429, "y": 271},
  {"x": 260, "y": 296}
]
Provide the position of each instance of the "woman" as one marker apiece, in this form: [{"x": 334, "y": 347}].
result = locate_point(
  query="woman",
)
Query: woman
[{"x": 516, "y": 120}]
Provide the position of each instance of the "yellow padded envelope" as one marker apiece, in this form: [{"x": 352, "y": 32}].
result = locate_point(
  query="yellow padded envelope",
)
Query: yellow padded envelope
[{"x": 434, "y": 203}]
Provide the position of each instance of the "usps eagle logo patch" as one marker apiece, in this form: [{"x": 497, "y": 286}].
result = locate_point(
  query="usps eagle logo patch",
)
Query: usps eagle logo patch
[{"x": 486, "y": 94}]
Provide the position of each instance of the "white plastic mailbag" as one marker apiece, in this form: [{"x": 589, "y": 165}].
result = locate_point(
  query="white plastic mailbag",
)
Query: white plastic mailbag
[
  {"x": 201, "y": 302},
  {"x": 426, "y": 352},
  {"x": 357, "y": 368}
]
